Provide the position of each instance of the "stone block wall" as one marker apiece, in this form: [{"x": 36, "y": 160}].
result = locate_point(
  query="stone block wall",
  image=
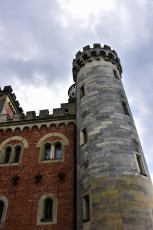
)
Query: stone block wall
[{"x": 107, "y": 162}]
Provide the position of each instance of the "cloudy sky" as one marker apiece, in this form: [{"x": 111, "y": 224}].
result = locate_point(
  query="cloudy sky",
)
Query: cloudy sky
[{"x": 39, "y": 38}]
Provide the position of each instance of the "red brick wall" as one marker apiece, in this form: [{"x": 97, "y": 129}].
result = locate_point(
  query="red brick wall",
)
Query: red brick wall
[{"x": 23, "y": 199}]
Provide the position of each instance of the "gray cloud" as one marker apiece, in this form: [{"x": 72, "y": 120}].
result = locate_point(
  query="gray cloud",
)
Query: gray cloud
[{"x": 39, "y": 39}]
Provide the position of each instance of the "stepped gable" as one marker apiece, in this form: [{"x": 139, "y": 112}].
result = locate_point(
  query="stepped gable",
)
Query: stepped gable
[
  {"x": 7, "y": 90},
  {"x": 95, "y": 53}
]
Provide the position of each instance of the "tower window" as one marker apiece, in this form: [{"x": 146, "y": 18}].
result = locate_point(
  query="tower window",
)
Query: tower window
[
  {"x": 1, "y": 209},
  {"x": 115, "y": 74},
  {"x": 126, "y": 111},
  {"x": 83, "y": 137},
  {"x": 86, "y": 208},
  {"x": 58, "y": 151},
  {"x": 66, "y": 111},
  {"x": 140, "y": 165},
  {"x": 82, "y": 91}
]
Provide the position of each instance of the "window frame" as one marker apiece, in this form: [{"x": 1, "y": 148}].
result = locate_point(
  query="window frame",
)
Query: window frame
[
  {"x": 47, "y": 219},
  {"x": 140, "y": 164},
  {"x": 41, "y": 210},
  {"x": 56, "y": 149},
  {"x": 86, "y": 210},
  {"x": 5, "y": 155},
  {"x": 125, "y": 108},
  {"x": 83, "y": 137},
  {"x": 5, "y": 207},
  {"x": 116, "y": 74},
  {"x": 52, "y": 152},
  {"x": 11, "y": 160},
  {"x": 15, "y": 152},
  {"x": 82, "y": 91}
]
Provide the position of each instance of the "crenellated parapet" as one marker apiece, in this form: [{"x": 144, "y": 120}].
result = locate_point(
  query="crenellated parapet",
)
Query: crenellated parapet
[
  {"x": 95, "y": 53},
  {"x": 64, "y": 115}
]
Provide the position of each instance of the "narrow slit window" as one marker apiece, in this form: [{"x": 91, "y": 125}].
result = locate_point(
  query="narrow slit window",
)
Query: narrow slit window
[
  {"x": 83, "y": 137},
  {"x": 1, "y": 209},
  {"x": 86, "y": 208},
  {"x": 58, "y": 151},
  {"x": 7, "y": 155},
  {"x": 47, "y": 151},
  {"x": 140, "y": 165},
  {"x": 115, "y": 74},
  {"x": 17, "y": 154},
  {"x": 126, "y": 111},
  {"x": 82, "y": 91},
  {"x": 66, "y": 111}
]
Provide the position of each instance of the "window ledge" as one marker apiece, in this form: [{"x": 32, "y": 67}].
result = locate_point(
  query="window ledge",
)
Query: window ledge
[
  {"x": 45, "y": 222},
  {"x": 51, "y": 161},
  {"x": 8, "y": 164}
]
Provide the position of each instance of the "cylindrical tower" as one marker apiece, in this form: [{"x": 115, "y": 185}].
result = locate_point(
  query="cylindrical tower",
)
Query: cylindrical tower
[{"x": 114, "y": 189}]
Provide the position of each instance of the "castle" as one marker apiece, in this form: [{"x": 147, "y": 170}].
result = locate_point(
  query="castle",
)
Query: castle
[{"x": 80, "y": 168}]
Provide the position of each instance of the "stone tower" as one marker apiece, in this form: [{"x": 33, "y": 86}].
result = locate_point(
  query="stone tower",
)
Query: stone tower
[{"x": 114, "y": 189}]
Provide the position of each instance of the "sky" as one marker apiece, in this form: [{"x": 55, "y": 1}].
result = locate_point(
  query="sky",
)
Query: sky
[{"x": 39, "y": 39}]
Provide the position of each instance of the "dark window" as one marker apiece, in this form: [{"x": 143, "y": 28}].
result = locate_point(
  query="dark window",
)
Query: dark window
[
  {"x": 66, "y": 111},
  {"x": 47, "y": 151},
  {"x": 1, "y": 209},
  {"x": 48, "y": 210},
  {"x": 82, "y": 91},
  {"x": 115, "y": 74},
  {"x": 140, "y": 164},
  {"x": 17, "y": 154},
  {"x": 58, "y": 151},
  {"x": 7, "y": 155},
  {"x": 86, "y": 208},
  {"x": 83, "y": 137},
  {"x": 126, "y": 111}
]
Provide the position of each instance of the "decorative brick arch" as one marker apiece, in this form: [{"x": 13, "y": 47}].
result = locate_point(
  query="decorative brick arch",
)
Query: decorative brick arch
[
  {"x": 65, "y": 140},
  {"x": 15, "y": 138}
]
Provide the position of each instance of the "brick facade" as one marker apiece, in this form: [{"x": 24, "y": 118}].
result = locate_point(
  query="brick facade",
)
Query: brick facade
[{"x": 23, "y": 198}]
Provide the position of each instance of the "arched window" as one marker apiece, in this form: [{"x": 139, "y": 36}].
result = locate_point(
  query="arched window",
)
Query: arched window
[
  {"x": 7, "y": 154},
  {"x": 12, "y": 153},
  {"x": 1, "y": 209},
  {"x": 47, "y": 151},
  {"x": 17, "y": 154},
  {"x": 58, "y": 151},
  {"x": 48, "y": 210}
]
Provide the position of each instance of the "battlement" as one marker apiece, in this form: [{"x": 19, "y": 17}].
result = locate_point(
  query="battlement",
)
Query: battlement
[
  {"x": 67, "y": 109},
  {"x": 95, "y": 52}
]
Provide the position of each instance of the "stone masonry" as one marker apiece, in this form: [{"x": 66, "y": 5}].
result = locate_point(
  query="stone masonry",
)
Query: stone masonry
[{"x": 120, "y": 196}]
